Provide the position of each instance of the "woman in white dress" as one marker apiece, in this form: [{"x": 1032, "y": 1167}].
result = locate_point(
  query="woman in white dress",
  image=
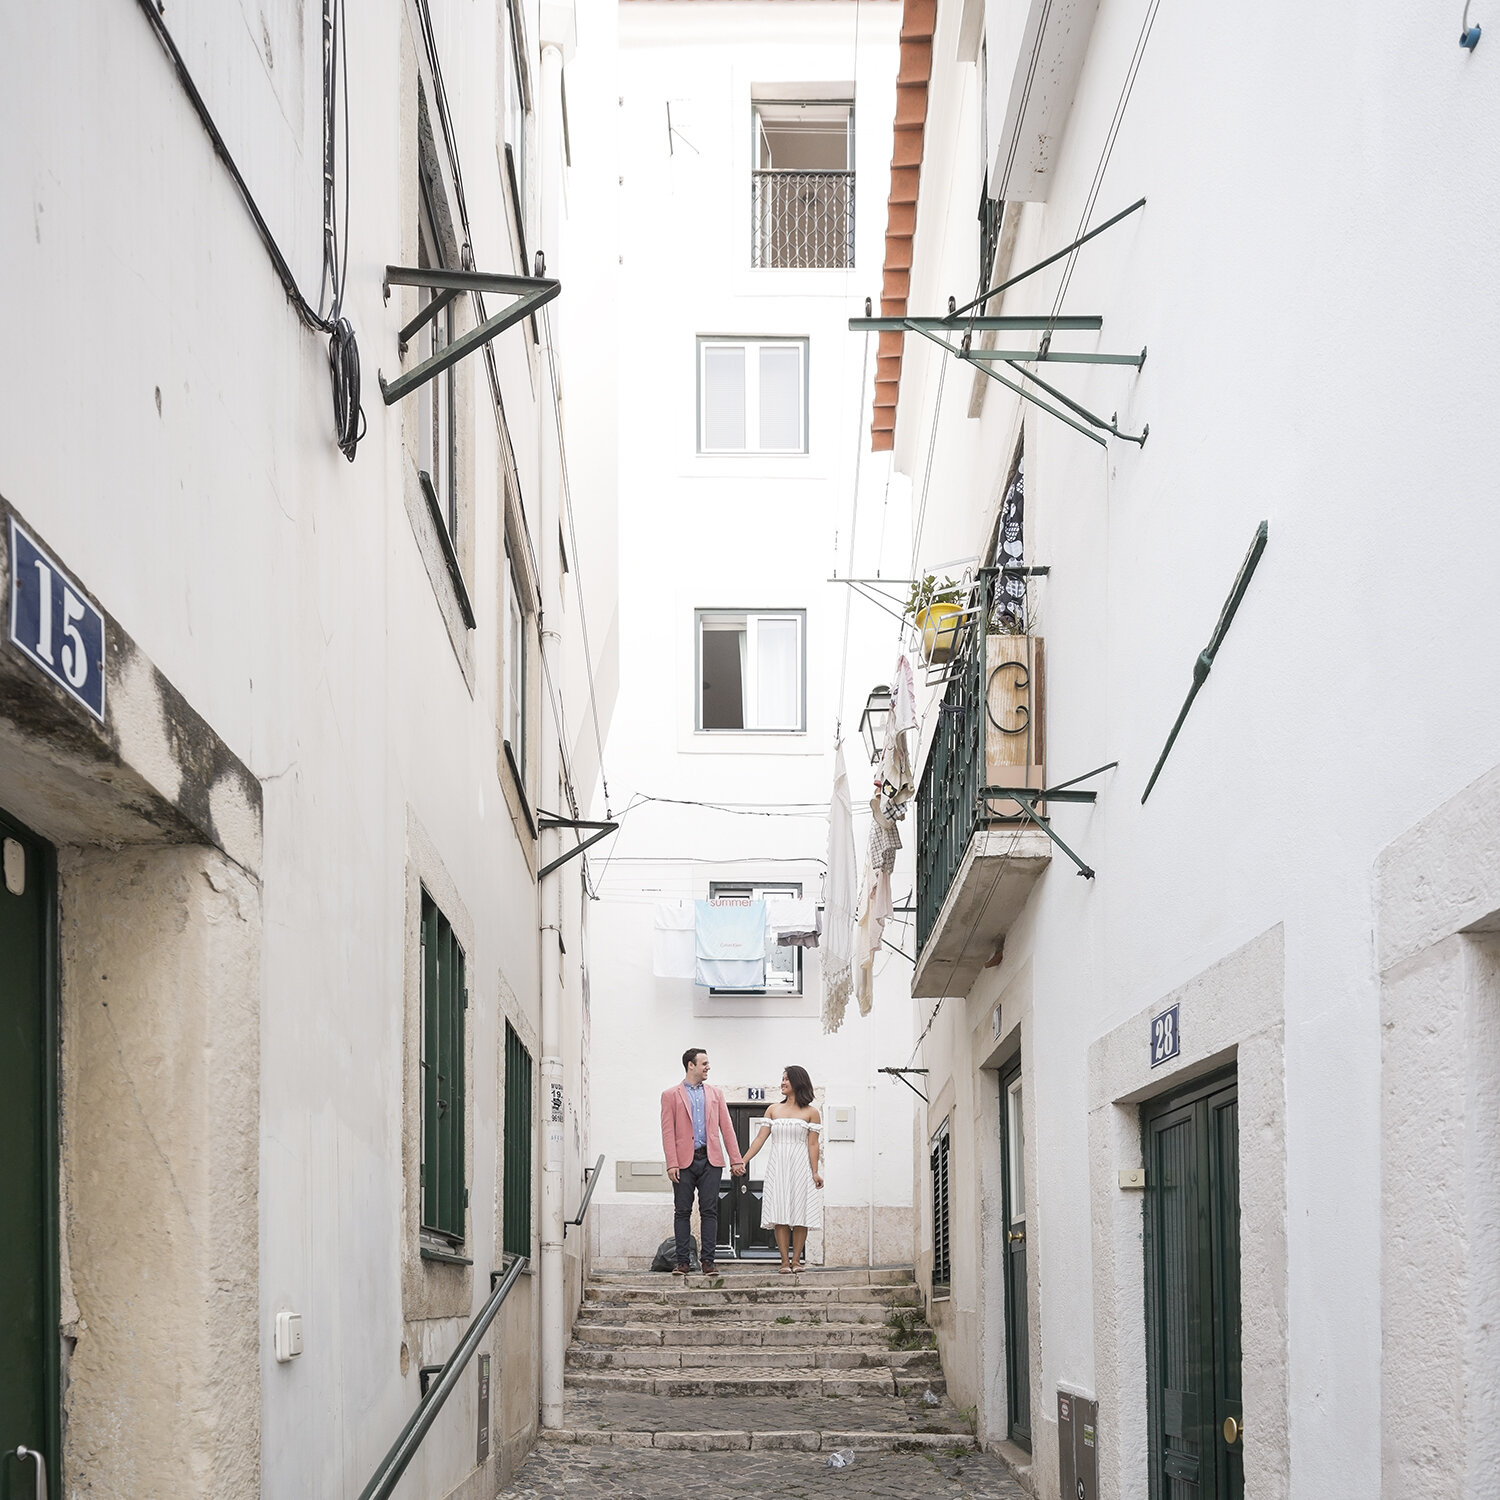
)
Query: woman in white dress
[{"x": 792, "y": 1198}]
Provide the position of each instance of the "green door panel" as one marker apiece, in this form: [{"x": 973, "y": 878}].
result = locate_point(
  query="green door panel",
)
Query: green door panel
[
  {"x": 28, "y": 1318},
  {"x": 1015, "y": 1221},
  {"x": 1192, "y": 1242}
]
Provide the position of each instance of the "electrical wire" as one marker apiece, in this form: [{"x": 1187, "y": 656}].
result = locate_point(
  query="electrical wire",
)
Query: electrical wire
[
  {"x": 1110, "y": 137},
  {"x": 859, "y": 449},
  {"x": 343, "y": 350},
  {"x": 583, "y": 615},
  {"x": 343, "y": 353}
]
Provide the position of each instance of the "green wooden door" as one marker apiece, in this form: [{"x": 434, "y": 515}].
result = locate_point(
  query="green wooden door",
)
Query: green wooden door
[
  {"x": 1192, "y": 1236},
  {"x": 1017, "y": 1315},
  {"x": 28, "y": 1319}
]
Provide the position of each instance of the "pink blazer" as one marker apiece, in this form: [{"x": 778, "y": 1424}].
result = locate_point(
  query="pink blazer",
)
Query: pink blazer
[{"x": 677, "y": 1127}]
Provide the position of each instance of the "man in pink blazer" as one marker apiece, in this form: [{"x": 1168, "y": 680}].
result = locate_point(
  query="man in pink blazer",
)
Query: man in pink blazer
[{"x": 694, "y": 1118}]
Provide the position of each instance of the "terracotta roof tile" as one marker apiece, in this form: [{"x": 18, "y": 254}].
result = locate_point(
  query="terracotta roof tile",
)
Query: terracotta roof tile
[{"x": 914, "y": 72}]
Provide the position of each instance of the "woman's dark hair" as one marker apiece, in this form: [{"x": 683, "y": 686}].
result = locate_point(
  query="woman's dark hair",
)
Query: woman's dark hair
[{"x": 802, "y": 1089}]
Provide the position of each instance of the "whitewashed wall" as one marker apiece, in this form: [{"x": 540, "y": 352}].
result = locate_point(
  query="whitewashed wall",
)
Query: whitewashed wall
[
  {"x": 166, "y": 424},
  {"x": 1307, "y": 276},
  {"x": 701, "y": 532}
]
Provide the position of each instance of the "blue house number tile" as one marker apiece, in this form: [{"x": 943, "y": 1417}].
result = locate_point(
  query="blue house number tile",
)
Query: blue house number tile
[
  {"x": 1166, "y": 1036},
  {"x": 53, "y": 623}
]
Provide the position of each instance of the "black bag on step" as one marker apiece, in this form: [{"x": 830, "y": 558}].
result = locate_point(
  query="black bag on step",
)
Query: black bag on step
[{"x": 666, "y": 1256}]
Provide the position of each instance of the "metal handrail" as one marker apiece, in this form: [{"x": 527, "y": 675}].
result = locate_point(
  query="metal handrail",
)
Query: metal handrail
[
  {"x": 404, "y": 1449},
  {"x": 588, "y": 1193}
]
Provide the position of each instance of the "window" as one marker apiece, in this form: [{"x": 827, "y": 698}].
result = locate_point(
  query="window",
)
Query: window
[
  {"x": 783, "y": 965},
  {"x": 437, "y": 443},
  {"x": 445, "y": 997},
  {"x": 516, "y": 99},
  {"x": 752, "y": 396},
  {"x": 515, "y": 1233},
  {"x": 514, "y": 653},
  {"x": 942, "y": 1268},
  {"x": 802, "y": 185},
  {"x": 750, "y": 671}
]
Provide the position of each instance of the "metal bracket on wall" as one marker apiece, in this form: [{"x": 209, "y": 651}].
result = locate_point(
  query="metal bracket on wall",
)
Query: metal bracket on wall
[
  {"x": 900, "y": 1075},
  {"x": 545, "y": 820},
  {"x": 1205, "y": 662},
  {"x": 965, "y": 322},
  {"x": 530, "y": 292},
  {"x": 1027, "y": 801}
]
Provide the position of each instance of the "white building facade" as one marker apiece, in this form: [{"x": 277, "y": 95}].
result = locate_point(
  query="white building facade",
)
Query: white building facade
[
  {"x": 296, "y": 1016},
  {"x": 753, "y": 148},
  {"x": 1204, "y": 1184}
]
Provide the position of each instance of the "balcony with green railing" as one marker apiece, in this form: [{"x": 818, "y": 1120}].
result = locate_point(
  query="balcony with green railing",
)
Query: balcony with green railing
[{"x": 978, "y": 854}]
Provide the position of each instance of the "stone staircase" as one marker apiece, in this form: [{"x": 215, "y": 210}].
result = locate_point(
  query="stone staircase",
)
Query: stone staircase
[{"x": 749, "y": 1359}]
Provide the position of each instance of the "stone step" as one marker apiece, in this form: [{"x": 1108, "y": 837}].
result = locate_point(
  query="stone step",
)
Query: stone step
[
  {"x": 774, "y": 1334},
  {"x": 762, "y": 1274},
  {"x": 719, "y": 1384},
  {"x": 633, "y": 1419},
  {"x": 600, "y": 1314},
  {"x": 704, "y": 1293},
  {"x": 752, "y": 1360}
]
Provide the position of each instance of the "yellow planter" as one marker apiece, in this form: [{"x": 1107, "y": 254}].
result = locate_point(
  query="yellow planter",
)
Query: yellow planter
[{"x": 939, "y": 626}]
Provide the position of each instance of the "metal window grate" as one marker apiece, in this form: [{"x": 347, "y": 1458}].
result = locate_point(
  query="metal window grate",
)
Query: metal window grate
[
  {"x": 444, "y": 1000},
  {"x": 802, "y": 220},
  {"x": 942, "y": 1265},
  {"x": 515, "y": 1236}
]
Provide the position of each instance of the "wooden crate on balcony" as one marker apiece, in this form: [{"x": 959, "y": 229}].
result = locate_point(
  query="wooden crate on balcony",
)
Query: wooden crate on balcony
[{"x": 1015, "y": 723}]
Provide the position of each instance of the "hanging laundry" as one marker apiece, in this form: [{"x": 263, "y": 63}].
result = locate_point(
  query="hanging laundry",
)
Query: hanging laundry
[
  {"x": 903, "y": 696},
  {"x": 875, "y": 901},
  {"x": 730, "y": 944},
  {"x": 793, "y": 922},
  {"x": 874, "y": 912},
  {"x": 673, "y": 955},
  {"x": 840, "y": 894},
  {"x": 896, "y": 786}
]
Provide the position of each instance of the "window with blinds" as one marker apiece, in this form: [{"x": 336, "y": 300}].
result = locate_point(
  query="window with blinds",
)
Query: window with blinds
[
  {"x": 515, "y": 1234},
  {"x": 752, "y": 395},
  {"x": 445, "y": 998},
  {"x": 942, "y": 1265}
]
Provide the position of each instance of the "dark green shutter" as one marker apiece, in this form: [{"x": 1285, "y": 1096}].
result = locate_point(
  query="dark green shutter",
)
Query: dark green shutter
[
  {"x": 443, "y": 1001},
  {"x": 942, "y": 1273},
  {"x": 516, "y": 1225}
]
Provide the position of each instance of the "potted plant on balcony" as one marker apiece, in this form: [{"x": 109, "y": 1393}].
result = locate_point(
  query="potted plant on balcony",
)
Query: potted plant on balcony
[{"x": 934, "y": 608}]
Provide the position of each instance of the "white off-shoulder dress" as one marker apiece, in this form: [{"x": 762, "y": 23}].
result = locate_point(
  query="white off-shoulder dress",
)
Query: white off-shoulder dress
[{"x": 789, "y": 1196}]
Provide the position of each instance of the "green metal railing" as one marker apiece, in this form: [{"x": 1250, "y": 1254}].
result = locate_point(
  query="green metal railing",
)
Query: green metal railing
[
  {"x": 949, "y": 807},
  {"x": 404, "y": 1449}
]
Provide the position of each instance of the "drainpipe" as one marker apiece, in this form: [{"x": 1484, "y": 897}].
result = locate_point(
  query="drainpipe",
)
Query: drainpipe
[{"x": 557, "y": 34}]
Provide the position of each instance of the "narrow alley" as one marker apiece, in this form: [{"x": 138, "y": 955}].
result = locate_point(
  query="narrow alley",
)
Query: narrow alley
[{"x": 749, "y": 746}]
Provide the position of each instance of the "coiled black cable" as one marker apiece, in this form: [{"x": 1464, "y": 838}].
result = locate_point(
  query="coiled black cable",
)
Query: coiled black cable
[{"x": 343, "y": 365}]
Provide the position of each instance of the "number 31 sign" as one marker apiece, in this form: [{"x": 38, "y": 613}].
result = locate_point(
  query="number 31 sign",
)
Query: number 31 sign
[
  {"x": 53, "y": 623},
  {"x": 1166, "y": 1036}
]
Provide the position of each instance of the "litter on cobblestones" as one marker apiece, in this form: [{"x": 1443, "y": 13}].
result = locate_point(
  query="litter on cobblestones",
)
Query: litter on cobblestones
[
  {"x": 843, "y": 1459},
  {"x": 928, "y": 1399}
]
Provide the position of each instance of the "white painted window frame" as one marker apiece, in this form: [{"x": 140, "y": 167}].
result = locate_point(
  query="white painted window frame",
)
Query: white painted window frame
[
  {"x": 752, "y": 348},
  {"x": 748, "y": 619}
]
